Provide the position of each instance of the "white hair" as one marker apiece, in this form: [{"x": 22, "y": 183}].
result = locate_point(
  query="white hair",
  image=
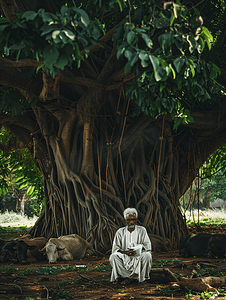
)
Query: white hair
[{"x": 128, "y": 211}]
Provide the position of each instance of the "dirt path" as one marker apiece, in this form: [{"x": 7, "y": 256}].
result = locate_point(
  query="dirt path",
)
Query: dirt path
[
  {"x": 94, "y": 284},
  {"x": 65, "y": 281}
]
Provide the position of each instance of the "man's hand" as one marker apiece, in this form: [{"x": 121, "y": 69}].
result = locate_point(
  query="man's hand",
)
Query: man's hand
[{"x": 130, "y": 252}]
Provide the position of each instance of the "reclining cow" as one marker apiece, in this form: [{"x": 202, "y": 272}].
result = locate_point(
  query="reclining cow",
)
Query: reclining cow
[
  {"x": 67, "y": 247},
  {"x": 8, "y": 251},
  {"x": 18, "y": 249},
  {"x": 204, "y": 244}
]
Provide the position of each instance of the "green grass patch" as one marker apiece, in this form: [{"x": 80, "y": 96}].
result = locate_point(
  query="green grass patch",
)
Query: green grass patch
[
  {"x": 212, "y": 272},
  {"x": 62, "y": 295},
  {"x": 161, "y": 263},
  {"x": 207, "y": 222},
  {"x": 9, "y": 232},
  {"x": 52, "y": 270}
]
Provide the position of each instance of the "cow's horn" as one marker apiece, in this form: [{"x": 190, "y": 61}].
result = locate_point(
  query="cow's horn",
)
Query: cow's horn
[
  {"x": 60, "y": 248},
  {"x": 42, "y": 250}
]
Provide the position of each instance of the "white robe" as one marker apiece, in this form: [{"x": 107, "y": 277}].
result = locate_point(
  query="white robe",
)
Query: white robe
[{"x": 134, "y": 267}]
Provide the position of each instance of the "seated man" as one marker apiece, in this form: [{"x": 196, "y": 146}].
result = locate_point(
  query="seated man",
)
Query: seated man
[{"x": 125, "y": 260}]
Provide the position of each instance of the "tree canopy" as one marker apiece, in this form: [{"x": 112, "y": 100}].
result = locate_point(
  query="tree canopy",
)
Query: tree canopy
[{"x": 119, "y": 103}]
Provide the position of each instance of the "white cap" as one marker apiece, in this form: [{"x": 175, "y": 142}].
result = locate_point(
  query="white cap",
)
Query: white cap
[{"x": 128, "y": 211}]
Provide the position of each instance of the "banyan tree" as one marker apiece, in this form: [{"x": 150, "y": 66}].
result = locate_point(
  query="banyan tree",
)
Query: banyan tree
[{"x": 119, "y": 105}]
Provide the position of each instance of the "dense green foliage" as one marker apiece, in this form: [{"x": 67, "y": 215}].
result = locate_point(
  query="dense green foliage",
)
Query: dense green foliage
[
  {"x": 119, "y": 104},
  {"x": 173, "y": 74},
  {"x": 18, "y": 172}
]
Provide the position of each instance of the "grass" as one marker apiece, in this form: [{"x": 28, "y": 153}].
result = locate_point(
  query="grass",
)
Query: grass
[
  {"x": 52, "y": 270},
  {"x": 13, "y": 219},
  {"x": 9, "y": 232},
  {"x": 14, "y": 225},
  {"x": 207, "y": 217},
  {"x": 161, "y": 263}
]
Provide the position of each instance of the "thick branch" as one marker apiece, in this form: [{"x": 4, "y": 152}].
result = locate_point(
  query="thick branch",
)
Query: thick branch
[
  {"x": 223, "y": 72},
  {"x": 12, "y": 145},
  {"x": 15, "y": 78},
  {"x": 20, "y": 63},
  {"x": 81, "y": 81},
  {"x": 102, "y": 41},
  {"x": 10, "y": 9},
  {"x": 21, "y": 121}
]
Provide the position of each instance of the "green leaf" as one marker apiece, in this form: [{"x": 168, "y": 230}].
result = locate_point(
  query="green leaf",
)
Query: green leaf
[
  {"x": 48, "y": 28},
  {"x": 50, "y": 54},
  {"x": 134, "y": 59},
  {"x": 78, "y": 55},
  {"x": 162, "y": 86},
  {"x": 192, "y": 70},
  {"x": 121, "y": 49},
  {"x": 64, "y": 10},
  {"x": 201, "y": 44},
  {"x": 144, "y": 57},
  {"x": 84, "y": 16},
  {"x": 138, "y": 15},
  {"x": 159, "y": 73},
  {"x": 192, "y": 43},
  {"x": 165, "y": 40},
  {"x": 178, "y": 63},
  {"x": 127, "y": 67},
  {"x": 207, "y": 33},
  {"x": 119, "y": 4},
  {"x": 69, "y": 34},
  {"x": 29, "y": 15},
  {"x": 17, "y": 47},
  {"x": 30, "y": 190},
  {"x": 129, "y": 54},
  {"x": 62, "y": 61},
  {"x": 4, "y": 20},
  {"x": 215, "y": 89},
  {"x": 172, "y": 69},
  {"x": 117, "y": 34},
  {"x": 161, "y": 22},
  {"x": 155, "y": 62},
  {"x": 46, "y": 17},
  {"x": 130, "y": 37},
  {"x": 147, "y": 40},
  {"x": 39, "y": 67},
  {"x": 82, "y": 40}
]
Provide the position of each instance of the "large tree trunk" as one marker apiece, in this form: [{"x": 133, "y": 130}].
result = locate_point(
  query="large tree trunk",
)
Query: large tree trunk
[
  {"x": 101, "y": 165},
  {"x": 96, "y": 159}
]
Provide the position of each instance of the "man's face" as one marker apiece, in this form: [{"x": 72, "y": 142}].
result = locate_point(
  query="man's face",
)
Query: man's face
[{"x": 131, "y": 222}]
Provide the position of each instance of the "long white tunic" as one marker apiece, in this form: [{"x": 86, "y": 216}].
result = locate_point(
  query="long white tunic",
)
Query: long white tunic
[{"x": 135, "y": 267}]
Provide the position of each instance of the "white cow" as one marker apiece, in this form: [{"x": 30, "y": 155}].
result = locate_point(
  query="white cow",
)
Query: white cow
[
  {"x": 218, "y": 203},
  {"x": 66, "y": 247}
]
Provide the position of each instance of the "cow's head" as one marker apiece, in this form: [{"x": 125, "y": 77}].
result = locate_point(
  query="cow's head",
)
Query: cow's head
[
  {"x": 9, "y": 252},
  {"x": 15, "y": 251},
  {"x": 52, "y": 251},
  {"x": 22, "y": 248}
]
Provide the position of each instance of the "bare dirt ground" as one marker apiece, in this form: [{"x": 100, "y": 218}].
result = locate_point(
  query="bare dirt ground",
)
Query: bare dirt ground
[{"x": 64, "y": 281}]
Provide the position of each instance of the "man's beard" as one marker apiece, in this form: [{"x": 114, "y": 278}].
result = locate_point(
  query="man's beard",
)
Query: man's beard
[{"x": 131, "y": 226}]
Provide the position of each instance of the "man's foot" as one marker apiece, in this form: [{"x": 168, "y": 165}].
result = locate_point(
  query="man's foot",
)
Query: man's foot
[
  {"x": 126, "y": 281},
  {"x": 143, "y": 282}
]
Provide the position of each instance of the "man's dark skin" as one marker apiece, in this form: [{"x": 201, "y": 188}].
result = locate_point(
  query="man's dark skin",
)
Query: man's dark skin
[{"x": 131, "y": 222}]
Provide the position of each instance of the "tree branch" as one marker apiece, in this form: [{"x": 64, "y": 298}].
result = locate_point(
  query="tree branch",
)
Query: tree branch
[
  {"x": 102, "y": 41},
  {"x": 23, "y": 121},
  {"x": 223, "y": 72},
  {"x": 81, "y": 81},
  {"x": 12, "y": 145},
  {"x": 20, "y": 63},
  {"x": 10, "y": 9},
  {"x": 15, "y": 78}
]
